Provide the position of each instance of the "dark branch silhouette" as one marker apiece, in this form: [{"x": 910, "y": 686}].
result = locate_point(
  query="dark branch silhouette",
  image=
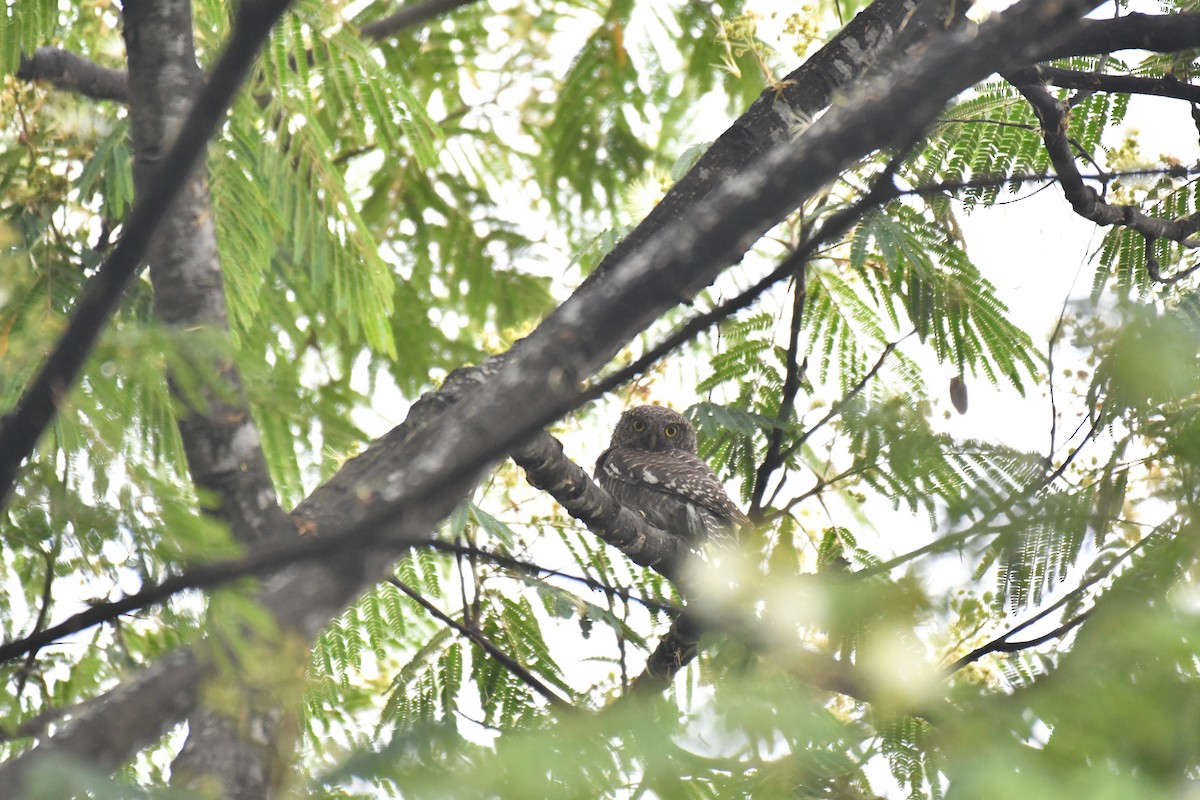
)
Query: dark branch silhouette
[
  {"x": 36, "y": 407},
  {"x": 1086, "y": 201},
  {"x": 522, "y": 567},
  {"x": 1159, "y": 33},
  {"x": 1003, "y": 643},
  {"x": 772, "y": 459},
  {"x": 409, "y": 17},
  {"x": 74, "y": 73},
  {"x": 1167, "y": 86},
  {"x": 475, "y": 636}
]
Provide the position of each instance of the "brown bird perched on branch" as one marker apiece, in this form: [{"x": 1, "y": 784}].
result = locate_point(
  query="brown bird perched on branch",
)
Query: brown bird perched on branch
[{"x": 651, "y": 467}]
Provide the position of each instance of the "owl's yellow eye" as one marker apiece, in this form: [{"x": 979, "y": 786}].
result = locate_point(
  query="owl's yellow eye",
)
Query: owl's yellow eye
[
  {"x": 639, "y": 426},
  {"x": 671, "y": 431}
]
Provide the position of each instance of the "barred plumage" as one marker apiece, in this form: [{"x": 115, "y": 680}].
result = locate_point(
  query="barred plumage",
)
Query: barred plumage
[{"x": 651, "y": 467}]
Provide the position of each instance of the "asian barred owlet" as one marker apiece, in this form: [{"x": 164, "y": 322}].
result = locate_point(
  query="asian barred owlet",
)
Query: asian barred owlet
[{"x": 651, "y": 467}]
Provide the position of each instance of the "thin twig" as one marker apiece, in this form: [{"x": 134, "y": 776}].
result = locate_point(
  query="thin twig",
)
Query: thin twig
[
  {"x": 485, "y": 644},
  {"x": 520, "y": 566},
  {"x": 840, "y": 405},
  {"x": 773, "y": 458},
  {"x": 43, "y": 612},
  {"x": 1001, "y": 643},
  {"x": 821, "y": 485}
]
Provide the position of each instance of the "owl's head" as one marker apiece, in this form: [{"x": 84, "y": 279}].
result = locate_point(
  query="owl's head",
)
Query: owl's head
[{"x": 654, "y": 428}]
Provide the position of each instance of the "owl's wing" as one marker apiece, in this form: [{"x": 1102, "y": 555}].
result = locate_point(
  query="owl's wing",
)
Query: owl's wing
[
  {"x": 696, "y": 480},
  {"x": 674, "y": 490}
]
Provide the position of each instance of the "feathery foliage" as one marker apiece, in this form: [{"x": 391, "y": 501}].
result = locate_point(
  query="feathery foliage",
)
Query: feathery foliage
[{"x": 930, "y": 603}]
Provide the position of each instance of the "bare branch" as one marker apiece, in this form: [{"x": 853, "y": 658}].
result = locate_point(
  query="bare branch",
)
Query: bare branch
[
  {"x": 675, "y": 650},
  {"x": 821, "y": 485},
  {"x": 408, "y": 17},
  {"x": 74, "y": 73},
  {"x": 1159, "y": 33},
  {"x": 43, "y": 612},
  {"x": 1155, "y": 271},
  {"x": 487, "y": 645},
  {"x": 529, "y": 568},
  {"x": 837, "y": 407},
  {"x": 265, "y": 558},
  {"x": 1166, "y": 86},
  {"x": 1086, "y": 201},
  {"x": 1002, "y": 643},
  {"x": 549, "y": 469},
  {"x": 773, "y": 458}
]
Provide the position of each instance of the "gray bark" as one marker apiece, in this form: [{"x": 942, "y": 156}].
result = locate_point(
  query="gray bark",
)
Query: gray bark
[{"x": 229, "y": 755}]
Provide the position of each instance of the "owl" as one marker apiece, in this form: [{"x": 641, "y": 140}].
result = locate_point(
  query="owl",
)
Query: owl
[{"x": 651, "y": 467}]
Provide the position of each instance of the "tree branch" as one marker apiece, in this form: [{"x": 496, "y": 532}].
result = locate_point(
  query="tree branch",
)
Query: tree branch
[
  {"x": 1001, "y": 643},
  {"x": 265, "y": 558},
  {"x": 817, "y": 488},
  {"x": 473, "y": 635},
  {"x": 74, "y": 73},
  {"x": 528, "y": 567},
  {"x": 37, "y": 405},
  {"x": 837, "y": 407},
  {"x": 1155, "y": 271},
  {"x": 1158, "y": 33},
  {"x": 1085, "y": 201},
  {"x": 1166, "y": 86},
  {"x": 220, "y": 439},
  {"x": 547, "y": 468},
  {"x": 408, "y": 17},
  {"x": 773, "y": 458},
  {"x": 43, "y": 612},
  {"x": 400, "y": 489}
]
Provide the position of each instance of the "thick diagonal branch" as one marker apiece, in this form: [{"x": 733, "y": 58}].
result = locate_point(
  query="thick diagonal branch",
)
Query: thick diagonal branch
[{"x": 418, "y": 474}]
